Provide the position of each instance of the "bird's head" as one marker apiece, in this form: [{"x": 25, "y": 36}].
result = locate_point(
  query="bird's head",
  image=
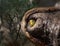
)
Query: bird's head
[{"x": 42, "y": 25}]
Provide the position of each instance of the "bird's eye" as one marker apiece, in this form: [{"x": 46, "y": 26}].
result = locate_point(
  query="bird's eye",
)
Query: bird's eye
[{"x": 31, "y": 22}]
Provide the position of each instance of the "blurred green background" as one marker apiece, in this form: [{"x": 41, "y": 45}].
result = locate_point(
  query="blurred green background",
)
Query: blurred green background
[{"x": 11, "y": 13}]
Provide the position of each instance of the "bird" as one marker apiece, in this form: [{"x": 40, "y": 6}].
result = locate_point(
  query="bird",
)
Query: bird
[{"x": 41, "y": 26}]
